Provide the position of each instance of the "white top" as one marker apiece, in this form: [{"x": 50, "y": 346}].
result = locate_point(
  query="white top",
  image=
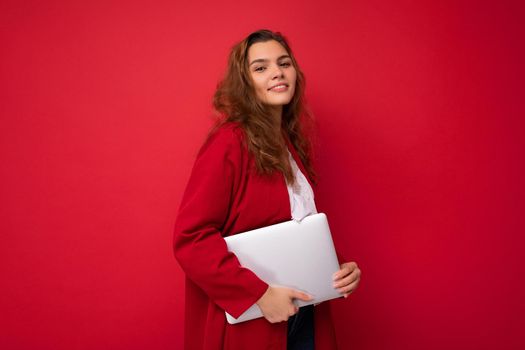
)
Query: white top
[{"x": 301, "y": 194}]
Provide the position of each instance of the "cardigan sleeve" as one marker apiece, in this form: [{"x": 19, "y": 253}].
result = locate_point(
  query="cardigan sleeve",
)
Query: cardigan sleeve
[{"x": 199, "y": 245}]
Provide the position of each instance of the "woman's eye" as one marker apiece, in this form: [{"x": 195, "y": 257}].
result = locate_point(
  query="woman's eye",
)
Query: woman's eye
[{"x": 284, "y": 64}]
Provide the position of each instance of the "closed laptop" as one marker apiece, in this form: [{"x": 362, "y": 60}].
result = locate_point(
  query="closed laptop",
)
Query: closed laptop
[{"x": 298, "y": 255}]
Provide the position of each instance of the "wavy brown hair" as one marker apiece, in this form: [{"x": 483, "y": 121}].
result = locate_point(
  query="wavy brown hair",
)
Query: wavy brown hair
[{"x": 236, "y": 99}]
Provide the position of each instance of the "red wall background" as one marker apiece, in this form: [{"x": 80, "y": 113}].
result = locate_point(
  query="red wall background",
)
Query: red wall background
[{"x": 420, "y": 111}]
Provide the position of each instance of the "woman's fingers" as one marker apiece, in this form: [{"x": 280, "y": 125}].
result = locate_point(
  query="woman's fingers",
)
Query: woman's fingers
[
  {"x": 347, "y": 278},
  {"x": 348, "y": 288},
  {"x": 277, "y": 304},
  {"x": 292, "y": 312},
  {"x": 295, "y": 294},
  {"x": 346, "y": 268},
  {"x": 341, "y": 273}
]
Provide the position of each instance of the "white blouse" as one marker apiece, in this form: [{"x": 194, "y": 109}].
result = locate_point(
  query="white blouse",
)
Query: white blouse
[{"x": 301, "y": 194}]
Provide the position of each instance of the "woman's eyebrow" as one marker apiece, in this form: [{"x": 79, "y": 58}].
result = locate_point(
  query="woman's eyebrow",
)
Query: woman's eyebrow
[{"x": 266, "y": 60}]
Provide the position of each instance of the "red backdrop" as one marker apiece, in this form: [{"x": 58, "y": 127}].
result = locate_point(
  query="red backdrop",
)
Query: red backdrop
[{"x": 419, "y": 105}]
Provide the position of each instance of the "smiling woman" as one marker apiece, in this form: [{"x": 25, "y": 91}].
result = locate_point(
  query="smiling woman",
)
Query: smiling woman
[
  {"x": 254, "y": 170},
  {"x": 273, "y": 74},
  {"x": 256, "y": 64}
]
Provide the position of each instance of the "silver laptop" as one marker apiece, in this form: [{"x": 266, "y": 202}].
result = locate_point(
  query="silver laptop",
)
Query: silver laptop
[{"x": 292, "y": 254}]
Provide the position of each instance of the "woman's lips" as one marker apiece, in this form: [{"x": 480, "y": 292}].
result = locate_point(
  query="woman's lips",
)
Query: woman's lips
[{"x": 279, "y": 88}]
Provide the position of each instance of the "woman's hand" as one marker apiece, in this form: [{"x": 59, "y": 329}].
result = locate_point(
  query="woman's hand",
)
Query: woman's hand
[
  {"x": 347, "y": 278},
  {"x": 277, "y": 304}
]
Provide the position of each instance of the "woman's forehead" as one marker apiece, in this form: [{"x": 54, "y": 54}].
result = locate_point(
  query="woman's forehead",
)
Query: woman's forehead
[{"x": 268, "y": 50}]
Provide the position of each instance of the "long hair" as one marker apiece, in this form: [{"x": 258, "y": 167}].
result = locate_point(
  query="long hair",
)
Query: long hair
[{"x": 236, "y": 99}]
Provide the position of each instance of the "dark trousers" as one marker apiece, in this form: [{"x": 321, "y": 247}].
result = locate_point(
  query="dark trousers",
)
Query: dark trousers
[{"x": 301, "y": 329}]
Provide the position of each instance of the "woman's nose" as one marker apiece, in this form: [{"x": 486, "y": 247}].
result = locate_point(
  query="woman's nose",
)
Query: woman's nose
[{"x": 278, "y": 72}]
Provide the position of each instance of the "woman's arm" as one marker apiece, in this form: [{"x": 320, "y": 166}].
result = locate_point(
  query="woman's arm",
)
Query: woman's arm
[{"x": 198, "y": 243}]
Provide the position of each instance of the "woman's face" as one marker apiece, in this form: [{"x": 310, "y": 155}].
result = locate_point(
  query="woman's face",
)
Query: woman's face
[{"x": 272, "y": 73}]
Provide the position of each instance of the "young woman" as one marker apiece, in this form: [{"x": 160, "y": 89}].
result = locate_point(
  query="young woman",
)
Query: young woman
[{"x": 254, "y": 170}]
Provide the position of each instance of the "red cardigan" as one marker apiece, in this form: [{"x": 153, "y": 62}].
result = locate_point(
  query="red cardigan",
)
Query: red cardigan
[{"x": 225, "y": 196}]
